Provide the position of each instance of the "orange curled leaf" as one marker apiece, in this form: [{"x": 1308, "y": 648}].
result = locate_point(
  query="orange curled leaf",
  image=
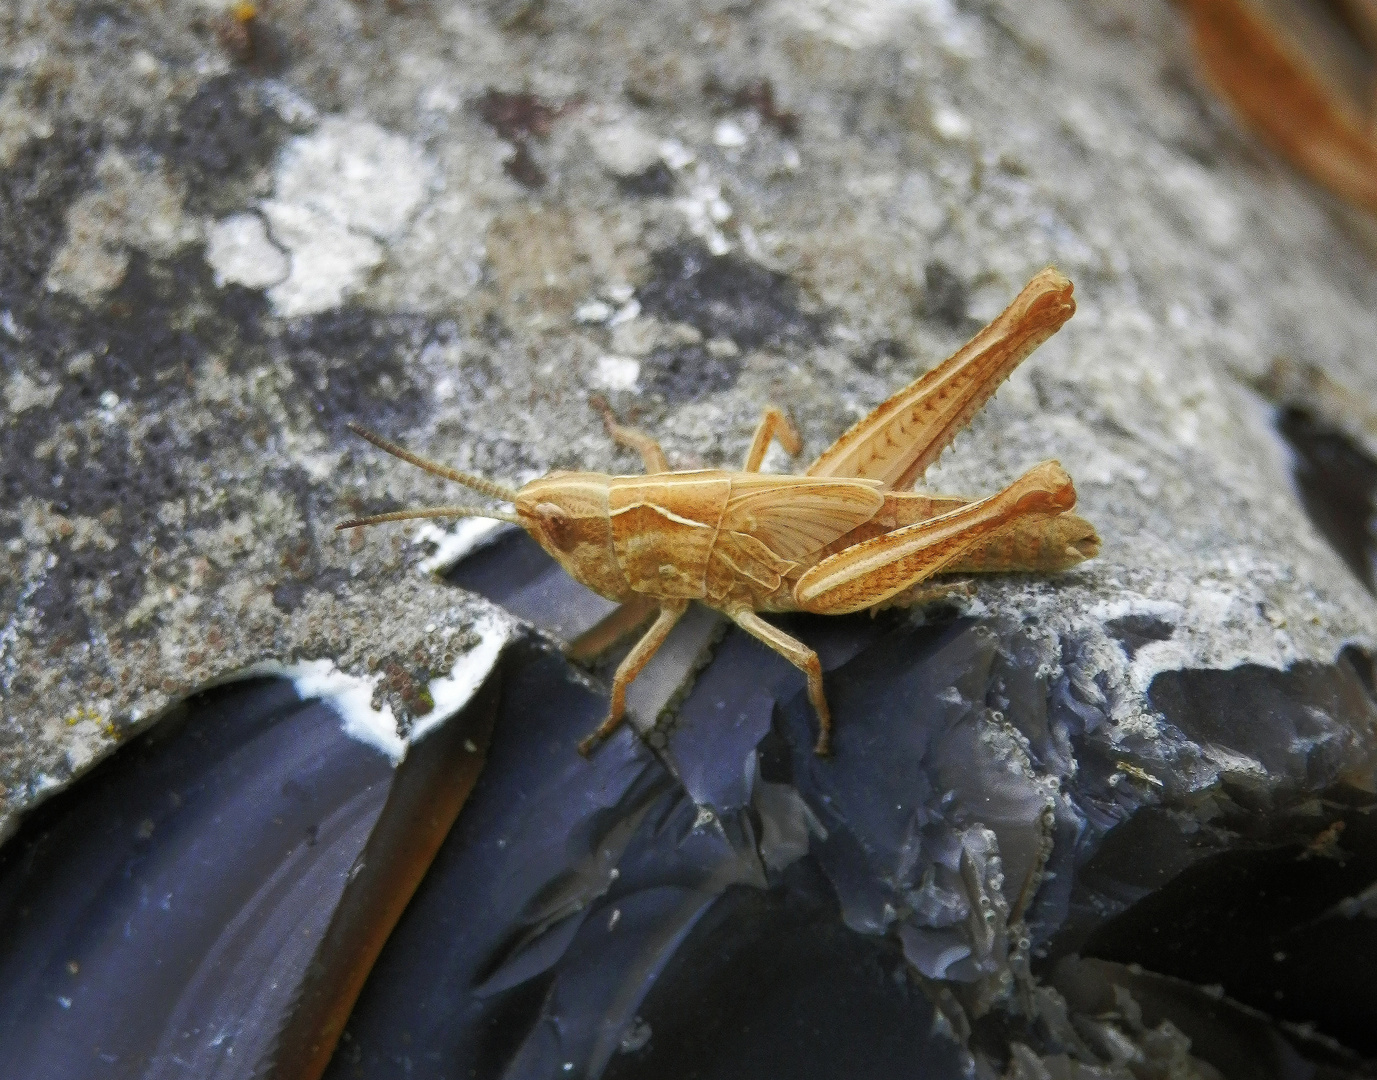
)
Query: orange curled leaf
[{"x": 1286, "y": 97}]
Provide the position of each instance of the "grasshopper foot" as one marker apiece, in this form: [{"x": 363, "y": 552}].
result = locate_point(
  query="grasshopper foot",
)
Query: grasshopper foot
[
  {"x": 615, "y": 715},
  {"x": 823, "y": 747}
]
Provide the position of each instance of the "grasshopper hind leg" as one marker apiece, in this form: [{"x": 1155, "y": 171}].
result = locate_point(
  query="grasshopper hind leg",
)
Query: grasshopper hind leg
[{"x": 872, "y": 572}]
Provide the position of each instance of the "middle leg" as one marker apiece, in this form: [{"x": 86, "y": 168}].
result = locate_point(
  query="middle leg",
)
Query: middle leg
[
  {"x": 616, "y": 624},
  {"x": 803, "y": 658}
]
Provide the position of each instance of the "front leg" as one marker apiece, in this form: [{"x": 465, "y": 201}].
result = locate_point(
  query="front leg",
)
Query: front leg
[
  {"x": 871, "y": 572},
  {"x": 616, "y": 624},
  {"x": 803, "y": 658},
  {"x": 630, "y": 667},
  {"x": 632, "y": 439},
  {"x": 773, "y": 425}
]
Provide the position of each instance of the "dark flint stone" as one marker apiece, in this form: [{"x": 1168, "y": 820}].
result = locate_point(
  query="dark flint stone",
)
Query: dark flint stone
[
  {"x": 564, "y": 892},
  {"x": 1242, "y": 1043},
  {"x": 1337, "y": 482},
  {"x": 520, "y": 875},
  {"x": 208, "y": 900},
  {"x": 1273, "y": 920},
  {"x": 894, "y": 832},
  {"x": 770, "y": 983},
  {"x": 1296, "y": 722},
  {"x": 567, "y": 885},
  {"x": 718, "y": 728}
]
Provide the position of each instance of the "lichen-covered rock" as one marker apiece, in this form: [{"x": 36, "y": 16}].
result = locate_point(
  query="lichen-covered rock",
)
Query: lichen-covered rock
[{"x": 225, "y": 235}]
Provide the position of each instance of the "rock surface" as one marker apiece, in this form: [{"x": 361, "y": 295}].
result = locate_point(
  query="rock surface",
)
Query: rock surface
[
  {"x": 227, "y": 234},
  {"x": 223, "y": 239}
]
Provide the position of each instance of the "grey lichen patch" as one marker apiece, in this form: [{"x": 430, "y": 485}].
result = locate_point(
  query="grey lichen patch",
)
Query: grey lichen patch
[
  {"x": 174, "y": 453},
  {"x": 20, "y": 122},
  {"x": 726, "y": 297},
  {"x": 222, "y": 140},
  {"x": 130, "y": 208},
  {"x": 339, "y": 194}
]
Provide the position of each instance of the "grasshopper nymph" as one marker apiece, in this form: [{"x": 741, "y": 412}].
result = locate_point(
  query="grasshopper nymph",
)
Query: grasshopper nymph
[{"x": 845, "y": 536}]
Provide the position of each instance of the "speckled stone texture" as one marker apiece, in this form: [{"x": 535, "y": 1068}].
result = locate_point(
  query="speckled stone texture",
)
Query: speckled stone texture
[{"x": 221, "y": 239}]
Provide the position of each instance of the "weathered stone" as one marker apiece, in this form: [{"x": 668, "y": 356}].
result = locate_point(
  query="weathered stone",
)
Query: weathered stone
[{"x": 174, "y": 453}]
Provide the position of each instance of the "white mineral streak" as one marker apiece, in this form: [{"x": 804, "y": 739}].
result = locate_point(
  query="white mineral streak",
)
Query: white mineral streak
[
  {"x": 452, "y": 546},
  {"x": 616, "y": 372},
  {"x": 451, "y": 692},
  {"x": 340, "y": 195},
  {"x": 351, "y": 696},
  {"x": 625, "y": 147}
]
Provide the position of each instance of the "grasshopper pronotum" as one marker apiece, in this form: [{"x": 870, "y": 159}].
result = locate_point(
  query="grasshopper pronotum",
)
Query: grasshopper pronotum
[{"x": 845, "y": 536}]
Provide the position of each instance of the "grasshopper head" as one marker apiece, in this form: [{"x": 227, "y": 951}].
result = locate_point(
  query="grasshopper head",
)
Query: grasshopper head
[{"x": 566, "y": 513}]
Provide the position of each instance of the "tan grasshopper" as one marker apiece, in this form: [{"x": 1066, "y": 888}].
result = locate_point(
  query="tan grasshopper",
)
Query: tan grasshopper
[{"x": 846, "y": 535}]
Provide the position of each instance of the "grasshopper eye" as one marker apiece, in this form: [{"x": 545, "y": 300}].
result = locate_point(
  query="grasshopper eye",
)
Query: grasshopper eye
[{"x": 557, "y": 525}]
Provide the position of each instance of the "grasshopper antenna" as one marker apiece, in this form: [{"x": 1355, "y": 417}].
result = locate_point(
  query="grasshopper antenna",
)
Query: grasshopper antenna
[
  {"x": 476, "y": 483},
  {"x": 429, "y": 512}
]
